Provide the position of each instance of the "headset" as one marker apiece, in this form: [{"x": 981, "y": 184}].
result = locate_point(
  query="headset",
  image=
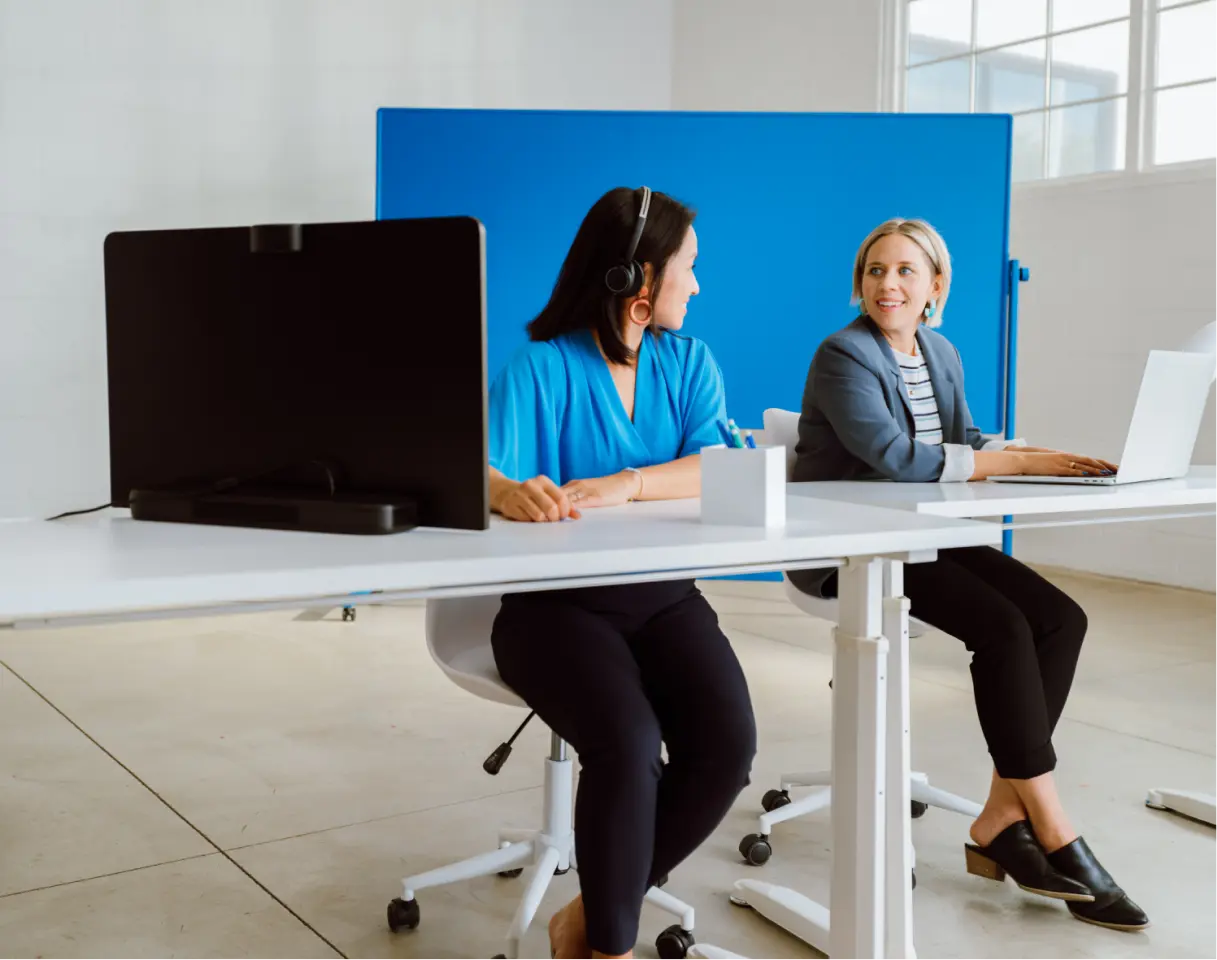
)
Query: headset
[{"x": 625, "y": 279}]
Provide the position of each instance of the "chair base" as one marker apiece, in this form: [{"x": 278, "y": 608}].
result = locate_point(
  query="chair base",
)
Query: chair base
[
  {"x": 779, "y": 807},
  {"x": 1188, "y": 803},
  {"x": 542, "y": 854}
]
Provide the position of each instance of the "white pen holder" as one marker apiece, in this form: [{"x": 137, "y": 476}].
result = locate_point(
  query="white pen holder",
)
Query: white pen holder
[{"x": 743, "y": 486}]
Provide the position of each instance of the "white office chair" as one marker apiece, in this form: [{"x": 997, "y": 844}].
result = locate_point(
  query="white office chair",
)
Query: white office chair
[
  {"x": 782, "y": 429},
  {"x": 458, "y": 637}
]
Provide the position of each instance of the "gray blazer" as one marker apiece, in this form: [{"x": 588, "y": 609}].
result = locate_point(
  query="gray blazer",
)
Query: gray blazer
[{"x": 857, "y": 422}]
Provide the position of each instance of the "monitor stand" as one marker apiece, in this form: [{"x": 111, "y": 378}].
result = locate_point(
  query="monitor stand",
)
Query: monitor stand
[{"x": 278, "y": 509}]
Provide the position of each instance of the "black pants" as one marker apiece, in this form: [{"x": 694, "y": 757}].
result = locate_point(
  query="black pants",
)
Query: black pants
[
  {"x": 1025, "y": 636},
  {"x": 615, "y": 671}
]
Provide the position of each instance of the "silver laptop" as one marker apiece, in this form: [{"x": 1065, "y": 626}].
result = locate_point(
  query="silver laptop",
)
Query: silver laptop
[{"x": 1165, "y": 422}]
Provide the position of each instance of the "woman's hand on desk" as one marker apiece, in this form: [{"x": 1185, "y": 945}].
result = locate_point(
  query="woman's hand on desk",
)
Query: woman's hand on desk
[
  {"x": 607, "y": 491},
  {"x": 538, "y": 500}
]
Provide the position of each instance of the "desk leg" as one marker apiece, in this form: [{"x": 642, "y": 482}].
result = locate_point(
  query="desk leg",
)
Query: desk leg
[
  {"x": 900, "y": 856},
  {"x": 859, "y": 735}
]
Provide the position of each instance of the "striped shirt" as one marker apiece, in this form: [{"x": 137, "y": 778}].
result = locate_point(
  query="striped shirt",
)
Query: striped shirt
[{"x": 927, "y": 423}]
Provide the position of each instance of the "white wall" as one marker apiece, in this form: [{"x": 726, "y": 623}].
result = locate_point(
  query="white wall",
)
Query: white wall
[
  {"x": 123, "y": 114},
  {"x": 1116, "y": 271},
  {"x": 776, "y": 55}
]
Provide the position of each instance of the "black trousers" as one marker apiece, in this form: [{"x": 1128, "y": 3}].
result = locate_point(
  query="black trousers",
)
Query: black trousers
[
  {"x": 616, "y": 671},
  {"x": 1025, "y": 636}
]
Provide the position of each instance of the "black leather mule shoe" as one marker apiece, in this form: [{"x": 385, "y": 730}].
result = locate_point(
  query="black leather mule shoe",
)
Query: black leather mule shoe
[
  {"x": 1016, "y": 852},
  {"x": 1111, "y": 907}
]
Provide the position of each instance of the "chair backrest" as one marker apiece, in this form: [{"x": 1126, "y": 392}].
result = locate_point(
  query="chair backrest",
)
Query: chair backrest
[
  {"x": 782, "y": 430},
  {"x": 458, "y": 639}
]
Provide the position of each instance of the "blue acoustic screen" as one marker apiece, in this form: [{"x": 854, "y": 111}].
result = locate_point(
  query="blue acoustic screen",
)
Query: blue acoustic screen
[{"x": 783, "y": 202}]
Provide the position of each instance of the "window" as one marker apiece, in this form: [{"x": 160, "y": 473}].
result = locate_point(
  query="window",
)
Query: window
[
  {"x": 1184, "y": 107},
  {"x": 1070, "y": 72}
]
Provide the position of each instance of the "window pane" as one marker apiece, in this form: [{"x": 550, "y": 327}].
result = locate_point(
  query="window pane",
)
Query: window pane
[
  {"x": 1067, "y": 14},
  {"x": 1028, "y": 160},
  {"x": 1086, "y": 139},
  {"x": 1170, "y": 3},
  {"x": 938, "y": 88},
  {"x": 942, "y": 19},
  {"x": 1185, "y": 124},
  {"x": 1011, "y": 80},
  {"x": 923, "y": 49},
  {"x": 1185, "y": 44},
  {"x": 1090, "y": 64},
  {"x": 1005, "y": 21}
]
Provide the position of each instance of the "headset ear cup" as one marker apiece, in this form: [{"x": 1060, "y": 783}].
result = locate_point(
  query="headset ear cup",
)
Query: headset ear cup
[
  {"x": 637, "y": 277},
  {"x": 624, "y": 279}
]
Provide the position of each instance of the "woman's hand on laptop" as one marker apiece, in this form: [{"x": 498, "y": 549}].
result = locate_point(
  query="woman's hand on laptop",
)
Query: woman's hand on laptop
[
  {"x": 1040, "y": 462},
  {"x": 1106, "y": 465}
]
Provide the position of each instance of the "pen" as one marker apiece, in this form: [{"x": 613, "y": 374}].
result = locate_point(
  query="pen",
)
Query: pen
[
  {"x": 736, "y": 439},
  {"x": 722, "y": 428},
  {"x": 748, "y": 441}
]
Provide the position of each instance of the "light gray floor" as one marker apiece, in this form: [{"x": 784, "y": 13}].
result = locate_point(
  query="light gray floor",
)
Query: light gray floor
[{"x": 327, "y": 759}]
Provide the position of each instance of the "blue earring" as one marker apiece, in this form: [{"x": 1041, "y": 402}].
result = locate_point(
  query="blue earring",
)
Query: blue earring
[{"x": 931, "y": 308}]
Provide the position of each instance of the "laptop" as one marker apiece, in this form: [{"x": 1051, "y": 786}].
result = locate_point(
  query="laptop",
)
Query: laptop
[{"x": 1165, "y": 422}]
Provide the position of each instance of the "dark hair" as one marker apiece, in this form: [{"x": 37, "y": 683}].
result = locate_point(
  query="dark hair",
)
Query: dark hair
[{"x": 580, "y": 299}]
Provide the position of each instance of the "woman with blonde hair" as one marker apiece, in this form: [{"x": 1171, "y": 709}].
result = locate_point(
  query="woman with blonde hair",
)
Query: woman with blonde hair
[{"x": 885, "y": 401}]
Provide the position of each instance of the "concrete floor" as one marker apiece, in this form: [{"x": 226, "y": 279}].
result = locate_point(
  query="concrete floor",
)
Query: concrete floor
[{"x": 328, "y": 759}]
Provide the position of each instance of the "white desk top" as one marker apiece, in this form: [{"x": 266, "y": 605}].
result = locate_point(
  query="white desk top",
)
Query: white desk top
[
  {"x": 114, "y": 566},
  {"x": 1199, "y": 487}
]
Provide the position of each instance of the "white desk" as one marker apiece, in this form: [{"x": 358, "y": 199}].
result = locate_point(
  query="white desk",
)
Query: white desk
[
  {"x": 1191, "y": 496},
  {"x": 93, "y": 569},
  {"x": 971, "y": 500}
]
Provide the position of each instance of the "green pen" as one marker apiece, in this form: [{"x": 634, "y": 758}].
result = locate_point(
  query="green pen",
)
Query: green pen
[{"x": 735, "y": 436}]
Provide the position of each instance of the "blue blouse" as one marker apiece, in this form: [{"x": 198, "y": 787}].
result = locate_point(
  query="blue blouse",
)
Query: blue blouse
[{"x": 554, "y": 408}]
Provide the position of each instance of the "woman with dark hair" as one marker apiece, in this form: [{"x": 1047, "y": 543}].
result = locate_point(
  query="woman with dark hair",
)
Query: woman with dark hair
[{"x": 606, "y": 404}]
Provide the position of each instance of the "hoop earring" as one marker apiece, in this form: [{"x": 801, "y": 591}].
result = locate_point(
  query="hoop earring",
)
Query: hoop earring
[
  {"x": 931, "y": 308},
  {"x": 861, "y": 305},
  {"x": 646, "y": 305}
]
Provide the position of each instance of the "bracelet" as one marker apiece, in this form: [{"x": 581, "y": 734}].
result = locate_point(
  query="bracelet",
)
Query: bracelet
[{"x": 638, "y": 495}]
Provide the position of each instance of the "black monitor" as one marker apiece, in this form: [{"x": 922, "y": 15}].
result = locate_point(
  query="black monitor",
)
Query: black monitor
[{"x": 327, "y": 376}]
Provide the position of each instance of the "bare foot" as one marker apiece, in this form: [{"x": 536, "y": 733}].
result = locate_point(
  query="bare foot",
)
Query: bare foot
[
  {"x": 568, "y": 932},
  {"x": 990, "y": 823},
  {"x": 597, "y": 954}
]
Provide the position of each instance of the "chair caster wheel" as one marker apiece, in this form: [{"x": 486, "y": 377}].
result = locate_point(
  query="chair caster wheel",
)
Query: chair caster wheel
[
  {"x": 403, "y": 914},
  {"x": 674, "y": 942},
  {"x": 917, "y": 809},
  {"x": 348, "y": 613},
  {"x": 511, "y": 874},
  {"x": 755, "y": 849},
  {"x": 774, "y": 799}
]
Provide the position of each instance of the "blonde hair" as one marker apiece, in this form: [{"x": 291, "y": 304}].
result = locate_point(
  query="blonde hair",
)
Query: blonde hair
[{"x": 932, "y": 245}]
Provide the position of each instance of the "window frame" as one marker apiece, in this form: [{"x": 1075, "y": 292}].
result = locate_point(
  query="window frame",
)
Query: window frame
[{"x": 1140, "y": 97}]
